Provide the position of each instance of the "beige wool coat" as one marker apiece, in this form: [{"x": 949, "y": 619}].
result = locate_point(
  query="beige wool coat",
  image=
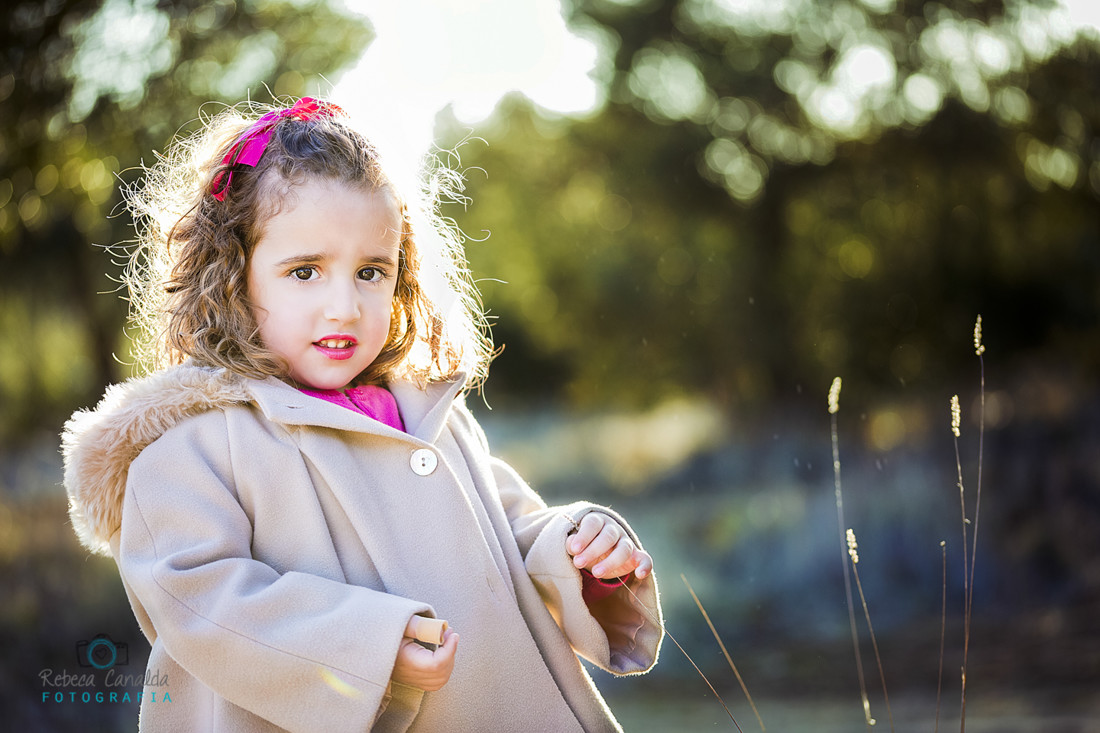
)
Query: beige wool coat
[{"x": 274, "y": 546}]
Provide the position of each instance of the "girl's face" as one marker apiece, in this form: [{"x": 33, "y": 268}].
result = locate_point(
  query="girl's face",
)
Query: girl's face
[{"x": 322, "y": 280}]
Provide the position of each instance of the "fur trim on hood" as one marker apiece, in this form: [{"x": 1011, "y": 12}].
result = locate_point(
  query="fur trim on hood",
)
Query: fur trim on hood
[{"x": 98, "y": 445}]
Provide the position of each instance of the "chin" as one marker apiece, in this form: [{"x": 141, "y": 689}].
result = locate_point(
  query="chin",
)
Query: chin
[{"x": 320, "y": 382}]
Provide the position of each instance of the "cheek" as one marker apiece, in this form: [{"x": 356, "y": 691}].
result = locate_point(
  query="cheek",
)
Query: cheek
[
  {"x": 259, "y": 314},
  {"x": 262, "y": 319},
  {"x": 263, "y": 299},
  {"x": 253, "y": 293}
]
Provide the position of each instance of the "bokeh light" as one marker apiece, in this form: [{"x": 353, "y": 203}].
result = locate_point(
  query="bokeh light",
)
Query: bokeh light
[{"x": 429, "y": 55}]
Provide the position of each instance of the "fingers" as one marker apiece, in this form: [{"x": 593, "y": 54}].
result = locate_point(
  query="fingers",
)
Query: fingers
[
  {"x": 589, "y": 528},
  {"x": 445, "y": 652},
  {"x": 596, "y": 538},
  {"x": 632, "y": 560},
  {"x": 424, "y": 668},
  {"x": 450, "y": 643},
  {"x": 604, "y": 547},
  {"x": 444, "y": 660},
  {"x": 619, "y": 561}
]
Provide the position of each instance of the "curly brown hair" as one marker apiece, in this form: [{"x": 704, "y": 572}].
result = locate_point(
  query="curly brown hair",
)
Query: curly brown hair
[{"x": 188, "y": 276}]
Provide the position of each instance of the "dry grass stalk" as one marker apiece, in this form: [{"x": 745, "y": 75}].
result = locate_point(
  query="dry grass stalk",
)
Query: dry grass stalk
[
  {"x": 853, "y": 553},
  {"x": 722, "y": 646},
  {"x": 979, "y": 350},
  {"x": 943, "y": 633},
  {"x": 834, "y": 407},
  {"x": 956, "y": 420},
  {"x": 969, "y": 544},
  {"x": 682, "y": 651}
]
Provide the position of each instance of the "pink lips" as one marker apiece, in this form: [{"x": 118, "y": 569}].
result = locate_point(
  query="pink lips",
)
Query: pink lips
[{"x": 340, "y": 352}]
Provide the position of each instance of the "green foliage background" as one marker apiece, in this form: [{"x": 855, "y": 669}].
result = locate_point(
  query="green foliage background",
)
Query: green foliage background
[
  {"x": 89, "y": 90},
  {"x": 638, "y": 264}
]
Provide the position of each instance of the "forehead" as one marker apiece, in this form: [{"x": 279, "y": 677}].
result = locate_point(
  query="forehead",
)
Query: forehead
[{"x": 316, "y": 210}]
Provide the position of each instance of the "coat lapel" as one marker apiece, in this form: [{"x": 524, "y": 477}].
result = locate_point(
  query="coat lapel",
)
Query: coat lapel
[{"x": 424, "y": 411}]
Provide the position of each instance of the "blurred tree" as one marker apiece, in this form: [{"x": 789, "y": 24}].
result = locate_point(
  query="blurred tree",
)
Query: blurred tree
[
  {"x": 89, "y": 87},
  {"x": 778, "y": 192}
]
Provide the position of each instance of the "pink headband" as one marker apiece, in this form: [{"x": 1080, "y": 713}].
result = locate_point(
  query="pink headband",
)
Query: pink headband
[{"x": 251, "y": 146}]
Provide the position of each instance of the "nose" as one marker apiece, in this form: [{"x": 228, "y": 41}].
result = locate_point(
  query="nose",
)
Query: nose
[{"x": 342, "y": 302}]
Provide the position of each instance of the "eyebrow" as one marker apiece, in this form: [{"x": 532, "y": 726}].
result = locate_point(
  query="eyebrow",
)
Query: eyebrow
[{"x": 308, "y": 259}]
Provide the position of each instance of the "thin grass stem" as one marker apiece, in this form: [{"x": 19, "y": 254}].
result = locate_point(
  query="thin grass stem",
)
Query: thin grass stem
[
  {"x": 966, "y": 586},
  {"x": 965, "y": 523},
  {"x": 833, "y": 408},
  {"x": 977, "y": 517},
  {"x": 657, "y": 622},
  {"x": 722, "y": 646},
  {"x": 874, "y": 643},
  {"x": 683, "y": 651},
  {"x": 943, "y": 634}
]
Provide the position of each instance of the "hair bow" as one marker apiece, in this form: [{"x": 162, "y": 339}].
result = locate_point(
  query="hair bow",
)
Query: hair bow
[{"x": 250, "y": 147}]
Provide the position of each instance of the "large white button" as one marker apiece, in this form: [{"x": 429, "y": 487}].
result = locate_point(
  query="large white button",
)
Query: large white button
[{"x": 423, "y": 461}]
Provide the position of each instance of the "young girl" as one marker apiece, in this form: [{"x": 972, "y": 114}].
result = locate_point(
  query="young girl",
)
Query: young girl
[{"x": 300, "y": 480}]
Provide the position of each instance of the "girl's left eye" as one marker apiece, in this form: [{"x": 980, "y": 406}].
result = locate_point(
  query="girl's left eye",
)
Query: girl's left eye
[{"x": 371, "y": 274}]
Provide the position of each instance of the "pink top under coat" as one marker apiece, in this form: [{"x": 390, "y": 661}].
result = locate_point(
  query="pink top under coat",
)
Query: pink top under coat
[{"x": 371, "y": 400}]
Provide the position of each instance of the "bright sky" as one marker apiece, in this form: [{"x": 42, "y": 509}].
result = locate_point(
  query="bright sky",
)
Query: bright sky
[
  {"x": 466, "y": 53},
  {"x": 469, "y": 53}
]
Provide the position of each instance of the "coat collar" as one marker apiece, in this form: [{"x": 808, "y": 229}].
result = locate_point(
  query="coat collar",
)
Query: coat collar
[
  {"x": 423, "y": 410},
  {"x": 99, "y": 444}
]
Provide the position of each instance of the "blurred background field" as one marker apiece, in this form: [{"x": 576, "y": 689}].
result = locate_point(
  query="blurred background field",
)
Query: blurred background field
[{"x": 686, "y": 217}]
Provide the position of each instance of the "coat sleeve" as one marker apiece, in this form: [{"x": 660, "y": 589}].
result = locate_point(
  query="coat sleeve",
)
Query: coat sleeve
[
  {"x": 302, "y": 651},
  {"x": 621, "y": 633}
]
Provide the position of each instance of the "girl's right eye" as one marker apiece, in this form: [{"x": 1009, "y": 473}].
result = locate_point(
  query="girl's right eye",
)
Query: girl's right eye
[{"x": 302, "y": 273}]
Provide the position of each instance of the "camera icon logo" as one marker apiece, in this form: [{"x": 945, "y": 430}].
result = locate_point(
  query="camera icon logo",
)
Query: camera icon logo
[{"x": 102, "y": 652}]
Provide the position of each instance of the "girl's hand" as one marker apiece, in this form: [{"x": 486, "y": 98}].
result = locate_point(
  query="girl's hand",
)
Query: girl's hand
[
  {"x": 422, "y": 668},
  {"x": 603, "y": 547}
]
